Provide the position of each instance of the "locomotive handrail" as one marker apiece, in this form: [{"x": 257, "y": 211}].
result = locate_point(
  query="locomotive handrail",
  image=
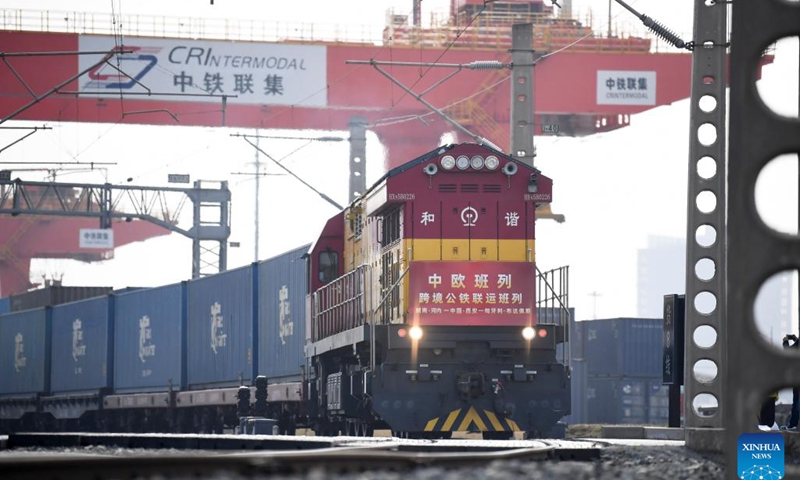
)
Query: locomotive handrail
[
  {"x": 558, "y": 297},
  {"x": 333, "y": 304},
  {"x": 391, "y": 289},
  {"x": 552, "y": 290},
  {"x": 372, "y": 358}
]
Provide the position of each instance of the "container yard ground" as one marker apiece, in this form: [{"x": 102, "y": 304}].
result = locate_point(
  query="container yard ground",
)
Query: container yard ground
[
  {"x": 705, "y": 440},
  {"x": 641, "y": 432}
]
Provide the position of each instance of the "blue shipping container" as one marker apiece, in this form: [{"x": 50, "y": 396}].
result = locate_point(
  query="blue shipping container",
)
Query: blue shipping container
[
  {"x": 5, "y": 305},
  {"x": 624, "y": 346},
  {"x": 554, "y": 315},
  {"x": 53, "y": 295},
  {"x": 574, "y": 343},
  {"x": 577, "y": 340},
  {"x": 25, "y": 352},
  {"x": 221, "y": 315},
  {"x": 282, "y": 315},
  {"x": 82, "y": 339},
  {"x": 630, "y": 400},
  {"x": 577, "y": 394},
  {"x": 148, "y": 340}
]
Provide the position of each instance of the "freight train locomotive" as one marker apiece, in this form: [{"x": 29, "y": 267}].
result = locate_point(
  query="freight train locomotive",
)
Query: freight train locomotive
[{"x": 415, "y": 310}]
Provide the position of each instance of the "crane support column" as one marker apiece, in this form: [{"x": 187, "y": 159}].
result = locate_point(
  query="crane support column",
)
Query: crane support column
[
  {"x": 522, "y": 120},
  {"x": 358, "y": 156},
  {"x": 211, "y": 224},
  {"x": 105, "y": 206}
]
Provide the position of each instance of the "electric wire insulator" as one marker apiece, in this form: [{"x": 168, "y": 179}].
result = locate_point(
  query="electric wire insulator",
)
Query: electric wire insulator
[
  {"x": 486, "y": 141},
  {"x": 663, "y": 32},
  {"x": 485, "y": 65}
]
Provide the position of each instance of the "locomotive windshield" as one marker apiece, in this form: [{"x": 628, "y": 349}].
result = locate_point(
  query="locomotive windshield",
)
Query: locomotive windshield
[{"x": 328, "y": 266}]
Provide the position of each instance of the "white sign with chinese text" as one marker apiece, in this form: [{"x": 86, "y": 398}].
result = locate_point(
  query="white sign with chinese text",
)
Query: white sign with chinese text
[
  {"x": 626, "y": 87},
  {"x": 256, "y": 73},
  {"x": 96, "y": 238}
]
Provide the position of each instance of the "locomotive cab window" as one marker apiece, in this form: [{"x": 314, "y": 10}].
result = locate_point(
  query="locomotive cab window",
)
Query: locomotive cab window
[
  {"x": 328, "y": 266},
  {"x": 391, "y": 228}
]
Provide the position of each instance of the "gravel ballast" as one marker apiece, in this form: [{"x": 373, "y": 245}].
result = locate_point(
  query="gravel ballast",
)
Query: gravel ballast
[{"x": 616, "y": 462}]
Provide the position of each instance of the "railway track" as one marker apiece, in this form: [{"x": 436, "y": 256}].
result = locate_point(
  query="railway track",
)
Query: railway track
[{"x": 63, "y": 456}]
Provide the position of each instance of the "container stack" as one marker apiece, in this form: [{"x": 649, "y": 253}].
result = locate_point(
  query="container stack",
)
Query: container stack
[
  {"x": 616, "y": 372},
  {"x": 51, "y": 296}
]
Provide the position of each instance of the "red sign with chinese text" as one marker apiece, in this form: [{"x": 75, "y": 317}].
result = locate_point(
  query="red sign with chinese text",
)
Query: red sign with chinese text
[{"x": 472, "y": 293}]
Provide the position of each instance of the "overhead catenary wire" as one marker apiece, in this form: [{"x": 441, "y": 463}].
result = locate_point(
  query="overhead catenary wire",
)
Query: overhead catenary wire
[
  {"x": 5, "y": 55},
  {"x": 91, "y": 164},
  {"x": 439, "y": 112},
  {"x": 53, "y": 90},
  {"x": 280, "y": 160},
  {"x": 118, "y": 50},
  {"x": 193, "y": 154},
  {"x": 119, "y": 42},
  {"x": 447, "y": 48},
  {"x": 477, "y": 65},
  {"x": 117, "y": 45},
  {"x": 407, "y": 118},
  {"x": 288, "y": 108},
  {"x": 322, "y": 195},
  {"x": 341, "y": 78},
  {"x": 660, "y": 30},
  {"x": 383, "y": 121},
  {"x": 281, "y": 111}
]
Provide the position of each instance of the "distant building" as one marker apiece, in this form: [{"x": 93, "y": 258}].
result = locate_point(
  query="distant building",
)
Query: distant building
[
  {"x": 661, "y": 268},
  {"x": 774, "y": 308}
]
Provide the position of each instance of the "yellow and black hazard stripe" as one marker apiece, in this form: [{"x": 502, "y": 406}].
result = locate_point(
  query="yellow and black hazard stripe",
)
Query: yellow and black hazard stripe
[{"x": 461, "y": 420}]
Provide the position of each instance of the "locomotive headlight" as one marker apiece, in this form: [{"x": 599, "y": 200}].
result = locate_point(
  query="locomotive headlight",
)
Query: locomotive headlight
[
  {"x": 492, "y": 162},
  {"x": 448, "y": 162},
  {"x": 476, "y": 162},
  {"x": 528, "y": 333},
  {"x": 462, "y": 162},
  {"x": 415, "y": 333}
]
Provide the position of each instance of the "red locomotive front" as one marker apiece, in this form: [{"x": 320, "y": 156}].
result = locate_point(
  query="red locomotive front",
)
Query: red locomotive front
[{"x": 430, "y": 325}]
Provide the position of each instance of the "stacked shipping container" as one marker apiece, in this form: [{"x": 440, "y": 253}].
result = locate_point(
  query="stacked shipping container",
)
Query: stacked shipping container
[
  {"x": 53, "y": 295},
  {"x": 616, "y": 372}
]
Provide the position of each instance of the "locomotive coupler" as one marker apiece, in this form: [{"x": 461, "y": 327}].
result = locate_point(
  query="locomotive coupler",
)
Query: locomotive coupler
[{"x": 471, "y": 384}]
